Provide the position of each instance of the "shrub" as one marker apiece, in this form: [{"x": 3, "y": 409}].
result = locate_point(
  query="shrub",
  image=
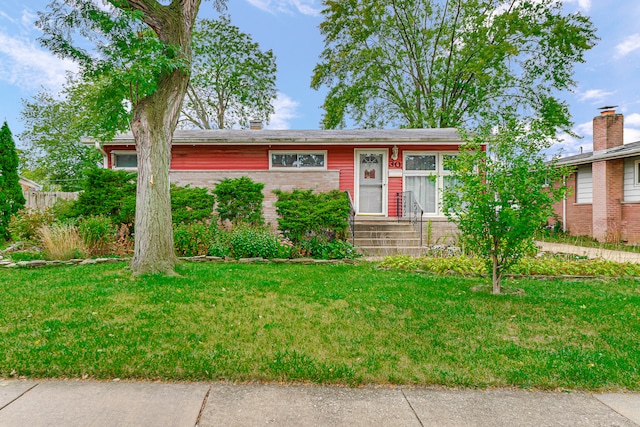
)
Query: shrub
[
  {"x": 11, "y": 197},
  {"x": 98, "y": 233},
  {"x": 123, "y": 243},
  {"x": 61, "y": 242},
  {"x": 109, "y": 193},
  {"x": 303, "y": 214},
  {"x": 239, "y": 200},
  {"x": 63, "y": 210},
  {"x": 322, "y": 249},
  {"x": 25, "y": 224},
  {"x": 191, "y": 204},
  {"x": 253, "y": 242},
  {"x": 194, "y": 238},
  {"x": 25, "y": 256}
]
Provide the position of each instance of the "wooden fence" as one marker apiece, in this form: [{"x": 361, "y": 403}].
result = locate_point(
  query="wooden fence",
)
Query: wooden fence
[{"x": 41, "y": 200}]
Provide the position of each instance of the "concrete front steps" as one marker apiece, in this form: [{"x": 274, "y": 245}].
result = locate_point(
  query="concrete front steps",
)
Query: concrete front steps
[{"x": 381, "y": 237}]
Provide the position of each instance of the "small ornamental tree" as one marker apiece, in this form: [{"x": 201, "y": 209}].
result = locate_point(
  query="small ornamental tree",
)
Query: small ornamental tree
[
  {"x": 498, "y": 198},
  {"x": 239, "y": 200},
  {"x": 11, "y": 197}
]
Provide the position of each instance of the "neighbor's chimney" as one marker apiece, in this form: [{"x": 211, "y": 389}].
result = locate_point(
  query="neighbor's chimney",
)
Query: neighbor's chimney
[
  {"x": 255, "y": 124},
  {"x": 608, "y": 129}
]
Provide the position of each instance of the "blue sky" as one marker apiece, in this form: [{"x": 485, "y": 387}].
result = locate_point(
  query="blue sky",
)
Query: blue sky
[{"x": 610, "y": 76}]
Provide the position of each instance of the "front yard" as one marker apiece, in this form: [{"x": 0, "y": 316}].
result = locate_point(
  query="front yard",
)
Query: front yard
[{"x": 324, "y": 323}]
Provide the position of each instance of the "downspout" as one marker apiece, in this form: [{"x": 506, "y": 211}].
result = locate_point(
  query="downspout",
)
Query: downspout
[
  {"x": 105, "y": 160},
  {"x": 564, "y": 205}
]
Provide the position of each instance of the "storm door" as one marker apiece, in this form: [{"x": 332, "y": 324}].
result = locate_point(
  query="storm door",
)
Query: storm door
[{"x": 371, "y": 173}]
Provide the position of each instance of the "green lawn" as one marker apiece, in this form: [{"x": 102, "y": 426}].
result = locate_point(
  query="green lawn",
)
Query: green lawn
[{"x": 325, "y": 323}]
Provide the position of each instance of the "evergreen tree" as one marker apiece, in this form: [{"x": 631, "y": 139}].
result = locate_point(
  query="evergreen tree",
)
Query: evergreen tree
[{"x": 11, "y": 197}]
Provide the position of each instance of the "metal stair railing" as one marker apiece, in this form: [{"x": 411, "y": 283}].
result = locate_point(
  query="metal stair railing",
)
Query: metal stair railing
[
  {"x": 408, "y": 208},
  {"x": 352, "y": 218}
]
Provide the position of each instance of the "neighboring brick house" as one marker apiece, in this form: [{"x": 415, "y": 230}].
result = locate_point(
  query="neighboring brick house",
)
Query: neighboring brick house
[
  {"x": 373, "y": 165},
  {"x": 603, "y": 200},
  {"x": 28, "y": 185}
]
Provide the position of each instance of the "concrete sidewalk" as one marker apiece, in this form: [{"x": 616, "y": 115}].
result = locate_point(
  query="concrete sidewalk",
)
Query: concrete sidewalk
[
  {"x": 91, "y": 403},
  {"x": 607, "y": 254}
]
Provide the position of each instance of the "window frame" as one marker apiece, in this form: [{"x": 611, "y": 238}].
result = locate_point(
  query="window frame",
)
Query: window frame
[
  {"x": 116, "y": 153},
  {"x": 577, "y": 188},
  {"x": 636, "y": 172},
  {"x": 297, "y": 153},
  {"x": 439, "y": 173}
]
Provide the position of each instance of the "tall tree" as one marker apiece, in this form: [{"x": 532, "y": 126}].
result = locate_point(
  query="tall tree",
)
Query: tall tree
[
  {"x": 500, "y": 197},
  {"x": 52, "y": 135},
  {"x": 11, "y": 197},
  {"x": 143, "y": 54},
  {"x": 232, "y": 80},
  {"x": 445, "y": 63}
]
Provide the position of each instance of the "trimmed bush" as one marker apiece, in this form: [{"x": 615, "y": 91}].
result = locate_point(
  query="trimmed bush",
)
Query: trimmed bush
[
  {"x": 109, "y": 193},
  {"x": 239, "y": 200},
  {"x": 191, "y": 204},
  {"x": 303, "y": 214}
]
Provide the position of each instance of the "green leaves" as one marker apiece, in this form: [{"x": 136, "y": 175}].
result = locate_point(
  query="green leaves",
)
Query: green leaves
[
  {"x": 232, "y": 80},
  {"x": 436, "y": 63},
  {"x": 11, "y": 197},
  {"x": 502, "y": 196}
]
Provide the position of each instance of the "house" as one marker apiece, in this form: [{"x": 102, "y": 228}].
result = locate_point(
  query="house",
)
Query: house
[
  {"x": 603, "y": 200},
  {"x": 376, "y": 167},
  {"x": 28, "y": 185}
]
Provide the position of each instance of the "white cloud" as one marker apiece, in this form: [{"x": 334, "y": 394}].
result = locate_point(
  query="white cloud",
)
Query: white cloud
[
  {"x": 286, "y": 109},
  {"x": 25, "y": 65},
  {"x": 28, "y": 19},
  {"x": 632, "y": 119},
  {"x": 569, "y": 145},
  {"x": 305, "y": 7},
  {"x": 595, "y": 95},
  {"x": 631, "y": 135},
  {"x": 582, "y": 4},
  {"x": 584, "y": 129},
  {"x": 628, "y": 45},
  {"x": 7, "y": 17}
]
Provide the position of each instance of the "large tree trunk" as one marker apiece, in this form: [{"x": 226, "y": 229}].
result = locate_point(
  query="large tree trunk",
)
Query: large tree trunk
[{"x": 154, "y": 120}]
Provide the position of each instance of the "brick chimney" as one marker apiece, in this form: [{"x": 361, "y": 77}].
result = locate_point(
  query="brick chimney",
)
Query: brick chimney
[
  {"x": 608, "y": 176},
  {"x": 255, "y": 124},
  {"x": 608, "y": 129}
]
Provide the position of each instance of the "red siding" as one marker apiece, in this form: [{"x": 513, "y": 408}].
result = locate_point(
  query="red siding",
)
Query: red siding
[
  {"x": 395, "y": 186},
  {"x": 256, "y": 158},
  {"x": 341, "y": 158},
  {"x": 185, "y": 157}
]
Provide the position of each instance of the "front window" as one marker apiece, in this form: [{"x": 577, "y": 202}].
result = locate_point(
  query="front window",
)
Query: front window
[
  {"x": 297, "y": 160},
  {"x": 124, "y": 160},
  {"x": 426, "y": 175}
]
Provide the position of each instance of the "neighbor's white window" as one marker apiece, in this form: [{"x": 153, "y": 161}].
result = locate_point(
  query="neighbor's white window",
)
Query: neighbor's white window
[
  {"x": 426, "y": 175},
  {"x": 584, "y": 184},
  {"x": 293, "y": 160},
  {"x": 124, "y": 160},
  {"x": 636, "y": 168}
]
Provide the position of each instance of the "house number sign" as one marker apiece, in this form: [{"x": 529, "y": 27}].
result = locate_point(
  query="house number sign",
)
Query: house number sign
[{"x": 395, "y": 164}]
